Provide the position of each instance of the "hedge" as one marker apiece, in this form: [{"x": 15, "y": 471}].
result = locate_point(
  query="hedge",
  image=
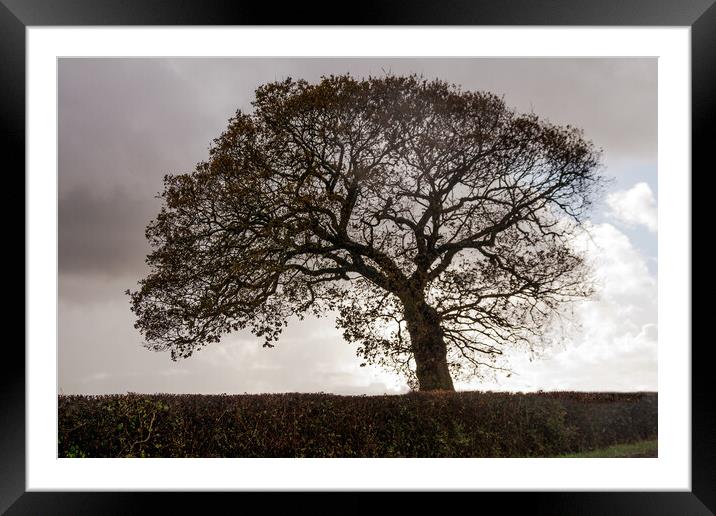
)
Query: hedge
[{"x": 464, "y": 424}]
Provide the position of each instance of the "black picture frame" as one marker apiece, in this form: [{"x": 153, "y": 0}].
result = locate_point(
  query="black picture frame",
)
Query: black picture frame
[{"x": 700, "y": 15}]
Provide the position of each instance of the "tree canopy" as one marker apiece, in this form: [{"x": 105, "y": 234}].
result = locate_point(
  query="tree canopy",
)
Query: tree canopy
[{"x": 435, "y": 222}]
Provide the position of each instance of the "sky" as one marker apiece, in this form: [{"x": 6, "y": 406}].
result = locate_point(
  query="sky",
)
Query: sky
[{"x": 125, "y": 123}]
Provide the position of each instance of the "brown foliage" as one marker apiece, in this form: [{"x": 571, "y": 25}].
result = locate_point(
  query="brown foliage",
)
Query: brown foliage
[{"x": 435, "y": 221}]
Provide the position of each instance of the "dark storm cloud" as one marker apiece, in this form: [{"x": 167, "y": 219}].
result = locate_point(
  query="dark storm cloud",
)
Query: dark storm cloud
[
  {"x": 127, "y": 123},
  {"x": 101, "y": 233}
]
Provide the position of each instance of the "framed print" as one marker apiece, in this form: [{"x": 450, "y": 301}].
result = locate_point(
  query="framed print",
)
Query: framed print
[{"x": 472, "y": 198}]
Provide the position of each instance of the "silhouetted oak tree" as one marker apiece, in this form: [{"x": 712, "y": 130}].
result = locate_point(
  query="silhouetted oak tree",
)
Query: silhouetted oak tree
[{"x": 435, "y": 222}]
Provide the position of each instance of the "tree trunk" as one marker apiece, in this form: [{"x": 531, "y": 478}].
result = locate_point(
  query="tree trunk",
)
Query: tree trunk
[{"x": 428, "y": 345}]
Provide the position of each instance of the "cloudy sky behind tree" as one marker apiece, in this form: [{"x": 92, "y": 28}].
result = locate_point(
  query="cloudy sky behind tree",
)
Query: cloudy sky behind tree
[{"x": 124, "y": 123}]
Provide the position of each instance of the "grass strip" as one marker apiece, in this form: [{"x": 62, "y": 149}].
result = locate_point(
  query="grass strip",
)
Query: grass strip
[{"x": 648, "y": 448}]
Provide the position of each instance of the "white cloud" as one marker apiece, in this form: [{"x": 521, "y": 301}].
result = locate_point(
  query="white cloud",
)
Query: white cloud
[
  {"x": 634, "y": 207},
  {"x": 616, "y": 346}
]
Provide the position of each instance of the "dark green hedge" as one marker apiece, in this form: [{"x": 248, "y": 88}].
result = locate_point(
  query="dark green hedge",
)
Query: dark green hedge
[{"x": 465, "y": 424}]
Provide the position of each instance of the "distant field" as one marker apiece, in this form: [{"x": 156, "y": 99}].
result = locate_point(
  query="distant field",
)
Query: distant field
[{"x": 463, "y": 424}]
